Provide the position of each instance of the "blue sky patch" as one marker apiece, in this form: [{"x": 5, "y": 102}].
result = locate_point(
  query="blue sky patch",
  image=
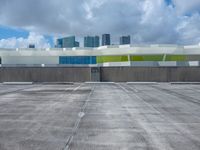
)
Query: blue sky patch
[{"x": 6, "y": 32}]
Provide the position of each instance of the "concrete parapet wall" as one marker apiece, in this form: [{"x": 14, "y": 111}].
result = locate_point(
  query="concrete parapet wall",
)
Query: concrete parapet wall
[
  {"x": 150, "y": 74},
  {"x": 47, "y": 74},
  {"x": 106, "y": 74}
]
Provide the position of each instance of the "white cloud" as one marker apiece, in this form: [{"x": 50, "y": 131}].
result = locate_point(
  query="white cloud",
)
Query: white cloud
[
  {"x": 189, "y": 29},
  {"x": 33, "y": 38},
  {"x": 187, "y": 6},
  {"x": 147, "y": 21}
]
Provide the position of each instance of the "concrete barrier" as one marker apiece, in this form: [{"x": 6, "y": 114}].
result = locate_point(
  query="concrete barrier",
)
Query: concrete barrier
[
  {"x": 38, "y": 74},
  {"x": 103, "y": 74},
  {"x": 150, "y": 74}
]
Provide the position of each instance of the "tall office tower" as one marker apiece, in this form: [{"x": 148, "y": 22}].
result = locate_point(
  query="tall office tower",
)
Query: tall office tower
[
  {"x": 125, "y": 40},
  {"x": 67, "y": 42},
  {"x": 31, "y": 46},
  {"x": 77, "y": 44},
  {"x": 59, "y": 43},
  {"x": 105, "y": 39},
  {"x": 96, "y": 41},
  {"x": 91, "y": 41}
]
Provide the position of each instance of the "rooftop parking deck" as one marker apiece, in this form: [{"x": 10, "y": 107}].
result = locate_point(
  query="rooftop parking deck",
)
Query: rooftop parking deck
[{"x": 100, "y": 116}]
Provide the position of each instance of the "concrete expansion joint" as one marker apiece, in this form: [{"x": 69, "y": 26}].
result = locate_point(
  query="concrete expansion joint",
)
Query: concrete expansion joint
[{"x": 80, "y": 116}]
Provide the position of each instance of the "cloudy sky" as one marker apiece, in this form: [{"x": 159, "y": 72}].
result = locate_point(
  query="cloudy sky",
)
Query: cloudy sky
[{"x": 147, "y": 21}]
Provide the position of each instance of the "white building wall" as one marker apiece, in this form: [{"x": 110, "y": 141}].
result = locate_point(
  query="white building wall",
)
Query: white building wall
[
  {"x": 20, "y": 60},
  {"x": 51, "y": 56}
]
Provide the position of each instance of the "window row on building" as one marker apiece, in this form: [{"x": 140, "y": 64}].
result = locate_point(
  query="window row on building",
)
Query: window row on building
[
  {"x": 77, "y": 60},
  {"x": 124, "y": 58}
]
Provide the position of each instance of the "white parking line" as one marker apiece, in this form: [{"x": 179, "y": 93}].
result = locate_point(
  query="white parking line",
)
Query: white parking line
[{"x": 141, "y": 82}]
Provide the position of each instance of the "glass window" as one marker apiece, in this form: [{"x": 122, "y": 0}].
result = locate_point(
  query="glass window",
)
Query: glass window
[{"x": 77, "y": 59}]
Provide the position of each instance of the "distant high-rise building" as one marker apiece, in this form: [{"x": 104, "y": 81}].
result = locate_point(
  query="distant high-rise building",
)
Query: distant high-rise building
[
  {"x": 91, "y": 41},
  {"x": 125, "y": 40},
  {"x": 105, "y": 39},
  {"x": 77, "y": 44},
  {"x": 96, "y": 41},
  {"x": 88, "y": 41},
  {"x": 67, "y": 42},
  {"x": 31, "y": 46},
  {"x": 59, "y": 43}
]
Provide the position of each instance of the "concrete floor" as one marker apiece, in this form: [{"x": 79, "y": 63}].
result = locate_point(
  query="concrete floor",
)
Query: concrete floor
[{"x": 110, "y": 116}]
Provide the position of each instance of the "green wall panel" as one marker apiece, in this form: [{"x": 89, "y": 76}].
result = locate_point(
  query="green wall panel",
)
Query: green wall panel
[
  {"x": 176, "y": 58},
  {"x": 104, "y": 59},
  {"x": 147, "y": 58}
]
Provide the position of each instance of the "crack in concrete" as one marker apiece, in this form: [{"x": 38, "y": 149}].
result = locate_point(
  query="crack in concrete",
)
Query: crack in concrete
[{"x": 80, "y": 116}]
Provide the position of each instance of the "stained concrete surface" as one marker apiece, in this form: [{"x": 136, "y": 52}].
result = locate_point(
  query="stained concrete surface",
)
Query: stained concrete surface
[
  {"x": 104, "y": 74},
  {"x": 106, "y": 116}
]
